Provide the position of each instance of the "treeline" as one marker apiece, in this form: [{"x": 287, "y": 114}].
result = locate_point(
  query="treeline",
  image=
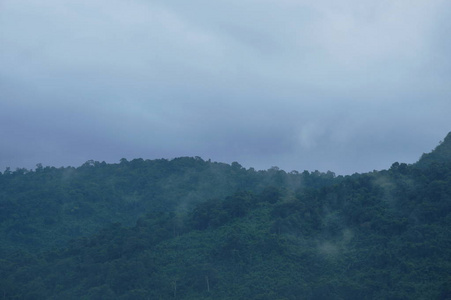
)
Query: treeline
[
  {"x": 46, "y": 207},
  {"x": 262, "y": 235}
]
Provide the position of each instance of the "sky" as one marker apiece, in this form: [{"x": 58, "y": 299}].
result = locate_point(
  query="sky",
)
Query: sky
[{"x": 347, "y": 86}]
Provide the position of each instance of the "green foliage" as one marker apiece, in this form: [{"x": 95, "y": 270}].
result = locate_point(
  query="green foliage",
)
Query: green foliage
[
  {"x": 45, "y": 208},
  {"x": 204, "y": 230},
  {"x": 442, "y": 153}
]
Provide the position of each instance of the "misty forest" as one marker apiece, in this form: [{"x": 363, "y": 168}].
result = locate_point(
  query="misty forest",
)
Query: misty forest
[{"x": 189, "y": 228}]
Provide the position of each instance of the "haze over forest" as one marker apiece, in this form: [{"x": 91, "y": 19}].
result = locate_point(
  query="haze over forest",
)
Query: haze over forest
[
  {"x": 187, "y": 228},
  {"x": 272, "y": 149}
]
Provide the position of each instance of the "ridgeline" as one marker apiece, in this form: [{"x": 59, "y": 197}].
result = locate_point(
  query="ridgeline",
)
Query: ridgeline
[{"x": 193, "y": 229}]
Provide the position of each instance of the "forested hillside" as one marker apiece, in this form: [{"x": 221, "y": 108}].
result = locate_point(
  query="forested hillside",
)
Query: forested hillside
[
  {"x": 194, "y": 229},
  {"x": 45, "y": 208}
]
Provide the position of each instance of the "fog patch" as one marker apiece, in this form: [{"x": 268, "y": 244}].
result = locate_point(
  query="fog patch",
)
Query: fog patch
[
  {"x": 390, "y": 187},
  {"x": 333, "y": 248},
  {"x": 387, "y": 185},
  {"x": 328, "y": 248},
  {"x": 68, "y": 174}
]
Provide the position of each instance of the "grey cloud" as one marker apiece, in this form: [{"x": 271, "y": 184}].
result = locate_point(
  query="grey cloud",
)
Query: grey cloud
[{"x": 349, "y": 87}]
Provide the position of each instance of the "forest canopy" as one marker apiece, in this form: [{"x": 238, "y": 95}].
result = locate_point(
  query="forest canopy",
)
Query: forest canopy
[{"x": 187, "y": 228}]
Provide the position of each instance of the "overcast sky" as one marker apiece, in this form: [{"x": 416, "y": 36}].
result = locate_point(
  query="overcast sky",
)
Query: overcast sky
[{"x": 347, "y": 86}]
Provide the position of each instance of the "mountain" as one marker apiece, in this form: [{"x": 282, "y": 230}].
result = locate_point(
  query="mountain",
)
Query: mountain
[
  {"x": 45, "y": 208},
  {"x": 262, "y": 235},
  {"x": 441, "y": 154}
]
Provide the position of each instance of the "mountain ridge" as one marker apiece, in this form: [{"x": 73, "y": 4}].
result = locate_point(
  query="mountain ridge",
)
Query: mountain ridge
[
  {"x": 440, "y": 154},
  {"x": 217, "y": 231}
]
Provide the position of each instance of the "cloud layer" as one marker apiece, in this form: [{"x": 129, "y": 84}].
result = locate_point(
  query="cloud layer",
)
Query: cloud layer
[{"x": 347, "y": 86}]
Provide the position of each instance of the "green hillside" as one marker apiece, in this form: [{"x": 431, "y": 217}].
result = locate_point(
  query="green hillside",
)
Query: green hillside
[
  {"x": 442, "y": 153},
  {"x": 194, "y": 229},
  {"x": 47, "y": 207}
]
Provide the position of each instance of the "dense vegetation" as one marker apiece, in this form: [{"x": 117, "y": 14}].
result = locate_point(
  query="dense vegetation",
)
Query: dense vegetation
[
  {"x": 45, "y": 208},
  {"x": 193, "y": 229}
]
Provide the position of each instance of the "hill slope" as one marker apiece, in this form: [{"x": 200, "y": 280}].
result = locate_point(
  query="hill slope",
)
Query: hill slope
[
  {"x": 45, "y": 208},
  {"x": 381, "y": 235},
  {"x": 441, "y": 154}
]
